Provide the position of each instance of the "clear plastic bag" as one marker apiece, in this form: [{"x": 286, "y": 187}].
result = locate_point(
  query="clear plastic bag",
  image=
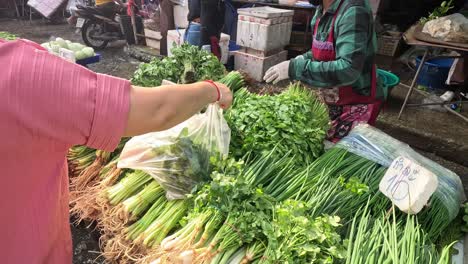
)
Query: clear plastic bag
[
  {"x": 179, "y": 158},
  {"x": 372, "y": 144}
]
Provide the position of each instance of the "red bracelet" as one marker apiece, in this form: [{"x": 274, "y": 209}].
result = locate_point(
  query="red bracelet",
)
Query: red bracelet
[{"x": 217, "y": 89}]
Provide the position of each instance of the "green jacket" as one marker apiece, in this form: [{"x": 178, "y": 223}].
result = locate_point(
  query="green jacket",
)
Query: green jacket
[{"x": 355, "y": 47}]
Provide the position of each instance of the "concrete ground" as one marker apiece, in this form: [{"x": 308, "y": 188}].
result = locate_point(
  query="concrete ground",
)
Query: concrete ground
[{"x": 440, "y": 136}]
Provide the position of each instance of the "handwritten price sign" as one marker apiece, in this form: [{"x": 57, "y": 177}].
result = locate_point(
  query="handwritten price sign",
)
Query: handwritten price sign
[{"x": 408, "y": 185}]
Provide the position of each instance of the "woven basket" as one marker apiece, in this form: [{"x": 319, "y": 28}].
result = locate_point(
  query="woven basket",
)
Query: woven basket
[{"x": 387, "y": 45}]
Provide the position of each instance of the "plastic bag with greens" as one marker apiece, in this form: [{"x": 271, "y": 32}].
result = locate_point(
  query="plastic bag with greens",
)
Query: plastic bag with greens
[
  {"x": 371, "y": 143},
  {"x": 179, "y": 158}
]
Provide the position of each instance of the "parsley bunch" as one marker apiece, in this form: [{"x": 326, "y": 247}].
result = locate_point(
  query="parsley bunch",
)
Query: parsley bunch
[{"x": 293, "y": 123}]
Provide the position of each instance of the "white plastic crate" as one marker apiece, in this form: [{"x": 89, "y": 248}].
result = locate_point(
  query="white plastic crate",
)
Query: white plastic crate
[
  {"x": 256, "y": 66},
  {"x": 177, "y": 37},
  {"x": 180, "y": 15},
  {"x": 45, "y": 7},
  {"x": 153, "y": 39},
  {"x": 264, "y": 28},
  {"x": 174, "y": 37}
]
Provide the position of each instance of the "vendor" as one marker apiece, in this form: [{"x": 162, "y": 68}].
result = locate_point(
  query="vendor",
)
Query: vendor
[
  {"x": 206, "y": 19},
  {"x": 341, "y": 64}
]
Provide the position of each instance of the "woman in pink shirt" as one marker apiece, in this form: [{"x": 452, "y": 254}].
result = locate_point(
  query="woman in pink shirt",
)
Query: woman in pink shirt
[{"x": 48, "y": 105}]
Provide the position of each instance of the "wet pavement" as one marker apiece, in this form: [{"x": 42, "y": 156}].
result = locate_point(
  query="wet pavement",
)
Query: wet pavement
[{"x": 437, "y": 135}]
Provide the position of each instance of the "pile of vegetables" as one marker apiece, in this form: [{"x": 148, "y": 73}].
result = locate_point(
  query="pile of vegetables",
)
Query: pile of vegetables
[
  {"x": 80, "y": 51},
  {"x": 384, "y": 239},
  {"x": 276, "y": 199},
  {"x": 188, "y": 64},
  {"x": 7, "y": 35},
  {"x": 293, "y": 122}
]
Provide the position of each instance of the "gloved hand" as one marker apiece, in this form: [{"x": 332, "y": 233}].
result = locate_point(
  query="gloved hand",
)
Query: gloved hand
[{"x": 277, "y": 73}]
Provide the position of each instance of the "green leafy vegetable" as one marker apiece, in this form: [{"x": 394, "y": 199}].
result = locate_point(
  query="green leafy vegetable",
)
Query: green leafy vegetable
[
  {"x": 298, "y": 238},
  {"x": 187, "y": 65},
  {"x": 294, "y": 123},
  {"x": 439, "y": 11},
  {"x": 7, "y": 36}
]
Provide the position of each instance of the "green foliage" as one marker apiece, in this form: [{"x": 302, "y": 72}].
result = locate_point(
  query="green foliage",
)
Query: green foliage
[
  {"x": 187, "y": 65},
  {"x": 7, "y": 36},
  {"x": 293, "y": 122},
  {"x": 298, "y": 238},
  {"x": 439, "y": 11}
]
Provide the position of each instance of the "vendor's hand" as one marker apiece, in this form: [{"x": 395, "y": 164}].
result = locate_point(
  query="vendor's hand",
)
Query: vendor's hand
[{"x": 277, "y": 73}]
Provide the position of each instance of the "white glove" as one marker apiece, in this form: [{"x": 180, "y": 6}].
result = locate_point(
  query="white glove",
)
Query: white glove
[{"x": 277, "y": 73}]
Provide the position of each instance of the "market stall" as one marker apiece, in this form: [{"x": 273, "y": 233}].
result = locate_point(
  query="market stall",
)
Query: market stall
[
  {"x": 268, "y": 193},
  {"x": 258, "y": 183}
]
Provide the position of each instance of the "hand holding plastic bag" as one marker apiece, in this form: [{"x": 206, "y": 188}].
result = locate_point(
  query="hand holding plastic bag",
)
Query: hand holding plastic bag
[{"x": 179, "y": 158}]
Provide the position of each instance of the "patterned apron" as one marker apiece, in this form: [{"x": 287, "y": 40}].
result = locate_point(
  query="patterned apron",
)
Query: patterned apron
[{"x": 346, "y": 107}]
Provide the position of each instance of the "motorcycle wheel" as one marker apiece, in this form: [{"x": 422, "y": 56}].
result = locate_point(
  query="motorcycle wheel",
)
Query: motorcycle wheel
[{"x": 89, "y": 28}]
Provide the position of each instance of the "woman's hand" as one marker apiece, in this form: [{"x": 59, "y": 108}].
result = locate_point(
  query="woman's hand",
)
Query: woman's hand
[
  {"x": 225, "y": 95},
  {"x": 277, "y": 73}
]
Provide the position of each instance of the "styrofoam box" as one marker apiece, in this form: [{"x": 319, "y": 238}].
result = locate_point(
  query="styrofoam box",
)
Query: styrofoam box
[
  {"x": 177, "y": 37},
  {"x": 180, "y": 15},
  {"x": 256, "y": 66},
  {"x": 265, "y": 12},
  {"x": 263, "y": 37},
  {"x": 155, "y": 39}
]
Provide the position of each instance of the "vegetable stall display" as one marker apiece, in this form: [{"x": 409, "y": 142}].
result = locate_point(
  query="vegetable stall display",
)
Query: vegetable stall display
[
  {"x": 276, "y": 198},
  {"x": 79, "y": 50}
]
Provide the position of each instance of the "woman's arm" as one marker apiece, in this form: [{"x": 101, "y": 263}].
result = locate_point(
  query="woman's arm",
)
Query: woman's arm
[{"x": 160, "y": 108}]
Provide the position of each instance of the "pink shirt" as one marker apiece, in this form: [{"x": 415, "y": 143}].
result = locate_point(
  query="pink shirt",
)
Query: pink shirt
[{"x": 47, "y": 105}]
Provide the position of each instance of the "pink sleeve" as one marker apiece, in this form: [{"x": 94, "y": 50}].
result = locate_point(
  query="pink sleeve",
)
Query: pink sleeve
[{"x": 57, "y": 101}]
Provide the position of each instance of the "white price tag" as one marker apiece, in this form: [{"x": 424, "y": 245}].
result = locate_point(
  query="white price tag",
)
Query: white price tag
[
  {"x": 408, "y": 185},
  {"x": 67, "y": 54}
]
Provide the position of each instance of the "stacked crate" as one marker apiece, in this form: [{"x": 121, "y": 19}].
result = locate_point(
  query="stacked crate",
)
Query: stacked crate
[{"x": 262, "y": 33}]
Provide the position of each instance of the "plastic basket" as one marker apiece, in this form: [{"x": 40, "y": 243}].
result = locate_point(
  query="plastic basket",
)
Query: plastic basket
[
  {"x": 89, "y": 60},
  {"x": 434, "y": 73},
  {"x": 388, "y": 44},
  {"x": 389, "y": 79}
]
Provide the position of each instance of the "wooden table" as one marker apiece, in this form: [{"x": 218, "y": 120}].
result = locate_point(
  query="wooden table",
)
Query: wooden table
[{"x": 412, "y": 41}]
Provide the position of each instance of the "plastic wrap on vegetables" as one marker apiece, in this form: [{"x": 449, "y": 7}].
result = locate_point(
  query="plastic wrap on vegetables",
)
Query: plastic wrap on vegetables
[
  {"x": 372, "y": 144},
  {"x": 179, "y": 158}
]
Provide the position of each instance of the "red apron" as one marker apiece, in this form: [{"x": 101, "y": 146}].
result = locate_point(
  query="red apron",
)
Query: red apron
[{"x": 346, "y": 107}]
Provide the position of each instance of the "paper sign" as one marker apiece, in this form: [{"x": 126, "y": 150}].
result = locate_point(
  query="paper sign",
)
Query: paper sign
[
  {"x": 408, "y": 185},
  {"x": 67, "y": 54}
]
